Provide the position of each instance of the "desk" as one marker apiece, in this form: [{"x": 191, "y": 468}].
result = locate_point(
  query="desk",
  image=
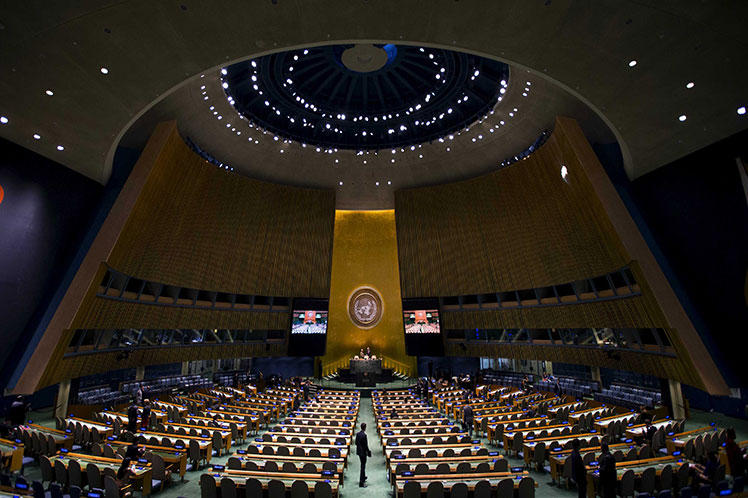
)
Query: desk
[
  {"x": 366, "y": 366},
  {"x": 12, "y": 453},
  {"x": 449, "y": 480},
  {"x": 638, "y": 466},
  {"x": 141, "y": 477}
]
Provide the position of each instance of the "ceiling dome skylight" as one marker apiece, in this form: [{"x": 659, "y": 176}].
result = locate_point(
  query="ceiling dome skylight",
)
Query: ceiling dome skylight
[{"x": 365, "y": 97}]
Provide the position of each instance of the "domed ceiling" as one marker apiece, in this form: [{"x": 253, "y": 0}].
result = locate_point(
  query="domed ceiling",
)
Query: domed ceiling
[
  {"x": 365, "y": 97},
  {"x": 366, "y": 119}
]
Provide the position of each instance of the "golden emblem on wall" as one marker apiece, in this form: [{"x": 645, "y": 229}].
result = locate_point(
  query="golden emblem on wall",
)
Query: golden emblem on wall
[{"x": 365, "y": 307}]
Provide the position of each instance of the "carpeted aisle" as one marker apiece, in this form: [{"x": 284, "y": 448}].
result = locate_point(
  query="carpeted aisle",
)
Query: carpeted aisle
[{"x": 378, "y": 486}]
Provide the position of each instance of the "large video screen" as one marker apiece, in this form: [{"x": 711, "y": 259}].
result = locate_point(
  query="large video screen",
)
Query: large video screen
[
  {"x": 308, "y": 335},
  {"x": 309, "y": 322},
  {"x": 421, "y": 321}
]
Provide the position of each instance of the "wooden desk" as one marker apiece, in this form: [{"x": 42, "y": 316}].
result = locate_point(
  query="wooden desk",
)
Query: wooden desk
[
  {"x": 638, "y": 466},
  {"x": 260, "y": 459},
  {"x": 240, "y": 478},
  {"x": 449, "y": 480},
  {"x": 175, "y": 459},
  {"x": 62, "y": 439},
  {"x": 141, "y": 477},
  {"x": 12, "y": 453}
]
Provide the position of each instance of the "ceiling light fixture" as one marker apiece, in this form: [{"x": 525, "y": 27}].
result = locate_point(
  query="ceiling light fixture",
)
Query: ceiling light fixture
[
  {"x": 49, "y": 92},
  {"x": 690, "y": 85},
  {"x": 741, "y": 110},
  {"x": 37, "y": 136},
  {"x": 60, "y": 147},
  {"x": 104, "y": 70},
  {"x": 682, "y": 118},
  {"x": 633, "y": 63},
  {"x": 3, "y": 120}
]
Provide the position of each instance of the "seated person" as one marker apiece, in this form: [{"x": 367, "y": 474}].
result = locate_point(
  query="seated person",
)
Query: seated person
[
  {"x": 123, "y": 478},
  {"x": 393, "y": 413},
  {"x": 704, "y": 474}
]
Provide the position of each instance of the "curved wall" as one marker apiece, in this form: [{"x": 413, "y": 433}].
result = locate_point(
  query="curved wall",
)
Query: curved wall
[
  {"x": 529, "y": 226},
  {"x": 188, "y": 224}
]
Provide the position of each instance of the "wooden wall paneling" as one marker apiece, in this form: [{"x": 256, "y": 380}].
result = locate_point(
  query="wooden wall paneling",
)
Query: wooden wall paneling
[{"x": 198, "y": 226}]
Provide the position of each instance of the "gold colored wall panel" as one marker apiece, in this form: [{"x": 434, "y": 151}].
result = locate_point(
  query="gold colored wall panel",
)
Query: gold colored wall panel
[{"x": 365, "y": 254}]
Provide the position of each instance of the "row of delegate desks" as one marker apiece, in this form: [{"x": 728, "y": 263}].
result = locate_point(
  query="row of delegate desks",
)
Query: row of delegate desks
[
  {"x": 141, "y": 476},
  {"x": 175, "y": 459},
  {"x": 638, "y": 466},
  {"x": 400, "y": 449},
  {"x": 326, "y": 411},
  {"x": 12, "y": 455}
]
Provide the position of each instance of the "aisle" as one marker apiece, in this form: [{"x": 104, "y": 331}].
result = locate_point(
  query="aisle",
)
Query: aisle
[{"x": 378, "y": 486}]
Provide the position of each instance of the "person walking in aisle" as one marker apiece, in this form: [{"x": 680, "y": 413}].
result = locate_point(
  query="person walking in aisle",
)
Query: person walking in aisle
[
  {"x": 578, "y": 470},
  {"x": 363, "y": 452},
  {"x": 467, "y": 418},
  {"x": 608, "y": 475},
  {"x": 132, "y": 418}
]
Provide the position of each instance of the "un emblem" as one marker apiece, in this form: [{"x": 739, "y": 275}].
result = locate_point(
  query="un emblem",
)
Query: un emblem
[{"x": 365, "y": 307}]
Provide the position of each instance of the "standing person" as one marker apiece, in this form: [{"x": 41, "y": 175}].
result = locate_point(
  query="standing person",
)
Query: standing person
[
  {"x": 146, "y": 417},
  {"x": 467, "y": 417},
  {"x": 578, "y": 472},
  {"x": 132, "y": 418},
  {"x": 306, "y": 391},
  {"x": 645, "y": 415},
  {"x": 139, "y": 396},
  {"x": 734, "y": 455},
  {"x": 363, "y": 452},
  {"x": 557, "y": 388},
  {"x": 608, "y": 475},
  {"x": 649, "y": 431},
  {"x": 18, "y": 412}
]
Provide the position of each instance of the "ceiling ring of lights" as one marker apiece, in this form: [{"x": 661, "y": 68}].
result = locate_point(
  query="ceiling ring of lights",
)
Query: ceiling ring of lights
[{"x": 313, "y": 97}]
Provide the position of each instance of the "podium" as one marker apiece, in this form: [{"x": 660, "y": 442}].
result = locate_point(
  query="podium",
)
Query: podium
[
  {"x": 366, "y": 366},
  {"x": 366, "y": 372}
]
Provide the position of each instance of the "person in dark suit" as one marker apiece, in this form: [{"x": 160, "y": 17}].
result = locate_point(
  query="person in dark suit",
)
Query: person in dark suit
[
  {"x": 17, "y": 413},
  {"x": 393, "y": 413},
  {"x": 649, "y": 431},
  {"x": 734, "y": 455},
  {"x": 578, "y": 472},
  {"x": 608, "y": 476},
  {"x": 134, "y": 451},
  {"x": 132, "y": 418},
  {"x": 467, "y": 418},
  {"x": 363, "y": 452},
  {"x": 145, "y": 420}
]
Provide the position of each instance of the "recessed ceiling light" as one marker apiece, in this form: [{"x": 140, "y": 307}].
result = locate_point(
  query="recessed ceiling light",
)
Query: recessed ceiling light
[
  {"x": 741, "y": 110},
  {"x": 3, "y": 120},
  {"x": 104, "y": 70},
  {"x": 37, "y": 136},
  {"x": 389, "y": 182},
  {"x": 682, "y": 118},
  {"x": 377, "y": 183},
  {"x": 60, "y": 147},
  {"x": 340, "y": 183},
  {"x": 49, "y": 92},
  {"x": 632, "y": 63},
  {"x": 690, "y": 85}
]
